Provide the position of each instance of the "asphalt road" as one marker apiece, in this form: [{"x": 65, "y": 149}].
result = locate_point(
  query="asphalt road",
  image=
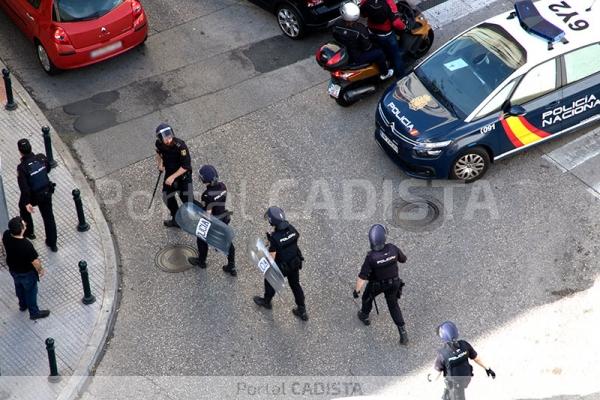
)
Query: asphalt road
[{"x": 254, "y": 104}]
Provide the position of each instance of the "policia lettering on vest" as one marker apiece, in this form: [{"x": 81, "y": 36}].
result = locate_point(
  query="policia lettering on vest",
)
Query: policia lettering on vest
[
  {"x": 36, "y": 191},
  {"x": 380, "y": 269}
]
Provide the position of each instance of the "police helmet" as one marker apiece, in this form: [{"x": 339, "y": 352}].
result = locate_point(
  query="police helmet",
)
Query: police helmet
[
  {"x": 208, "y": 174},
  {"x": 350, "y": 12},
  {"x": 24, "y": 146},
  {"x": 448, "y": 332},
  {"x": 275, "y": 216},
  {"x": 164, "y": 131},
  {"x": 377, "y": 235}
]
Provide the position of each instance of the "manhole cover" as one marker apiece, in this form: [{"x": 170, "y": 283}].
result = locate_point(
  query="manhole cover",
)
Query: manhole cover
[
  {"x": 173, "y": 258},
  {"x": 416, "y": 215}
]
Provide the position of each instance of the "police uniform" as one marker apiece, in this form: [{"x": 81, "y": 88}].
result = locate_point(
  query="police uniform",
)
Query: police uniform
[
  {"x": 380, "y": 268},
  {"x": 174, "y": 157},
  {"x": 453, "y": 361},
  {"x": 289, "y": 258},
  {"x": 213, "y": 199},
  {"x": 36, "y": 189}
]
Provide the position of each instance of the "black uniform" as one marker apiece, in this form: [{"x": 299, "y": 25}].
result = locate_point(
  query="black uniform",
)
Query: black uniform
[
  {"x": 213, "y": 199},
  {"x": 289, "y": 258},
  {"x": 355, "y": 37},
  {"x": 174, "y": 157},
  {"x": 381, "y": 270},
  {"x": 453, "y": 361},
  {"x": 36, "y": 189}
]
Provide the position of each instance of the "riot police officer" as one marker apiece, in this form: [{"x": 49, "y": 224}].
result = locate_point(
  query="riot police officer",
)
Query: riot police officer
[
  {"x": 173, "y": 157},
  {"x": 36, "y": 190},
  {"x": 213, "y": 202},
  {"x": 380, "y": 269},
  {"x": 283, "y": 247},
  {"x": 453, "y": 361}
]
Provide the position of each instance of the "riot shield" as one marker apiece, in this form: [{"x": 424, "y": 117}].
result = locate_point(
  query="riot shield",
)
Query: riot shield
[
  {"x": 195, "y": 221},
  {"x": 267, "y": 266}
]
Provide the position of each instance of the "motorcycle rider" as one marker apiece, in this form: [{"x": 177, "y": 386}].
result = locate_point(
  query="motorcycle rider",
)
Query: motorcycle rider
[
  {"x": 383, "y": 20},
  {"x": 354, "y": 36}
]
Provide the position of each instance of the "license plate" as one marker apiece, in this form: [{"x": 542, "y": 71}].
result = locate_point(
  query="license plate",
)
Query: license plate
[
  {"x": 393, "y": 145},
  {"x": 334, "y": 90},
  {"x": 105, "y": 50}
]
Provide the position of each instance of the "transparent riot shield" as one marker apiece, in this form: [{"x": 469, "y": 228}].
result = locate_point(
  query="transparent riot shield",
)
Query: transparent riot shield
[
  {"x": 195, "y": 221},
  {"x": 267, "y": 266}
]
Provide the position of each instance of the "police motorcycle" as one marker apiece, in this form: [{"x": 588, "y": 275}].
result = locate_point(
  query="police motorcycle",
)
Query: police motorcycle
[{"x": 349, "y": 83}]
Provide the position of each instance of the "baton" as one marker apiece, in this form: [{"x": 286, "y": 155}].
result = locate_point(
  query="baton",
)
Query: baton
[
  {"x": 375, "y": 302},
  {"x": 155, "y": 187}
]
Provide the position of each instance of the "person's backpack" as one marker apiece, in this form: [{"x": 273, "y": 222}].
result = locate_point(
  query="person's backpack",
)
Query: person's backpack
[
  {"x": 37, "y": 175},
  {"x": 377, "y": 11},
  {"x": 456, "y": 363}
]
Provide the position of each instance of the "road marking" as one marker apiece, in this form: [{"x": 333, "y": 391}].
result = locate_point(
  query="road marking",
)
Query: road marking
[
  {"x": 576, "y": 152},
  {"x": 452, "y": 10}
]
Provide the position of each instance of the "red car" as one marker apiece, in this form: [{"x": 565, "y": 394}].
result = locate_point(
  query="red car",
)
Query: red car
[{"x": 74, "y": 33}]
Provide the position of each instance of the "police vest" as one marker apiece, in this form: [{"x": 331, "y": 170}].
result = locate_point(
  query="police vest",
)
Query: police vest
[
  {"x": 456, "y": 360},
  {"x": 286, "y": 245},
  {"x": 384, "y": 263},
  {"x": 37, "y": 175}
]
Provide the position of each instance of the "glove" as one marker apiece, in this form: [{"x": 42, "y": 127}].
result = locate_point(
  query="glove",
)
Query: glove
[
  {"x": 491, "y": 373},
  {"x": 355, "y": 294}
]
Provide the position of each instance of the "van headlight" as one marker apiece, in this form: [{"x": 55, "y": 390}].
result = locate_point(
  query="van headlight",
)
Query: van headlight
[{"x": 427, "y": 149}]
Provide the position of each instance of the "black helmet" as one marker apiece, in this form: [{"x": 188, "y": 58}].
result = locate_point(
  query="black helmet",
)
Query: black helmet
[
  {"x": 377, "y": 237},
  {"x": 208, "y": 174},
  {"x": 24, "y": 146},
  {"x": 164, "y": 131},
  {"x": 276, "y": 217},
  {"x": 448, "y": 332}
]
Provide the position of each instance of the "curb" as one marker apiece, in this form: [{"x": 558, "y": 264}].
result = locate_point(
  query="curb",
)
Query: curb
[{"x": 95, "y": 346}]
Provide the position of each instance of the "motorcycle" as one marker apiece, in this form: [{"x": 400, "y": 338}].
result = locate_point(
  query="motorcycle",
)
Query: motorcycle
[{"x": 349, "y": 83}]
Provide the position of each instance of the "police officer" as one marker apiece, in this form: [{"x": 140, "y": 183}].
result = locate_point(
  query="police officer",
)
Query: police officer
[
  {"x": 283, "y": 247},
  {"x": 213, "y": 202},
  {"x": 380, "y": 269},
  {"x": 36, "y": 190},
  {"x": 453, "y": 362},
  {"x": 173, "y": 157},
  {"x": 355, "y": 37}
]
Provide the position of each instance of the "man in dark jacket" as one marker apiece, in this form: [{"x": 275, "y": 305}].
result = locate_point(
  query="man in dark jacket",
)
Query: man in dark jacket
[
  {"x": 24, "y": 266},
  {"x": 36, "y": 190}
]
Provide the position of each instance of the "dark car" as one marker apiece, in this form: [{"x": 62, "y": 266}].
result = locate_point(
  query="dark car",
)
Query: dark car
[{"x": 296, "y": 17}]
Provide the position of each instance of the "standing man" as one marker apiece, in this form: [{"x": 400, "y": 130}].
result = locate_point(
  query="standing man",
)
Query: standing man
[
  {"x": 36, "y": 190},
  {"x": 380, "y": 269},
  {"x": 383, "y": 21},
  {"x": 453, "y": 361},
  {"x": 173, "y": 157},
  {"x": 283, "y": 247},
  {"x": 24, "y": 266},
  {"x": 213, "y": 202}
]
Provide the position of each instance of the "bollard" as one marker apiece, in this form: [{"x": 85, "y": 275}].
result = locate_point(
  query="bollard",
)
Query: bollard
[
  {"x": 10, "y": 99},
  {"x": 54, "y": 375},
  {"x": 48, "y": 146},
  {"x": 88, "y": 297},
  {"x": 82, "y": 226}
]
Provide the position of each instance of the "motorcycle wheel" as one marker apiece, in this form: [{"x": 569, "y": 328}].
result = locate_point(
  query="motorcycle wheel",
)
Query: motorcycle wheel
[{"x": 424, "y": 45}]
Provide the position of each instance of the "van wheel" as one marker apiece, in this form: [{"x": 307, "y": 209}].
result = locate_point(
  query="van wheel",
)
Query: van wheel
[
  {"x": 470, "y": 165},
  {"x": 45, "y": 60}
]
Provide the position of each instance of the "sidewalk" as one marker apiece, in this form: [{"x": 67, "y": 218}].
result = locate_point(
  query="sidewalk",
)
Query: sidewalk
[{"x": 79, "y": 331}]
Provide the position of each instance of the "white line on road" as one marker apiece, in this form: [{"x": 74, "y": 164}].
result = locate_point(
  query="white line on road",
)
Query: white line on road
[
  {"x": 452, "y": 10},
  {"x": 577, "y": 152}
]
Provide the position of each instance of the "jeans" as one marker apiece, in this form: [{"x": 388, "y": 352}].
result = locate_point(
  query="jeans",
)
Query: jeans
[
  {"x": 390, "y": 289},
  {"x": 375, "y": 55},
  {"x": 185, "y": 191},
  {"x": 294, "y": 281},
  {"x": 391, "y": 48},
  {"x": 26, "y": 290},
  {"x": 44, "y": 203}
]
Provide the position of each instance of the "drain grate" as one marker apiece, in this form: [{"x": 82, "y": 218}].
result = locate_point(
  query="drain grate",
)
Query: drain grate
[
  {"x": 416, "y": 215},
  {"x": 173, "y": 258}
]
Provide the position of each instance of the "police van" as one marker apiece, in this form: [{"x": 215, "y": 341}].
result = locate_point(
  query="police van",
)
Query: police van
[{"x": 511, "y": 82}]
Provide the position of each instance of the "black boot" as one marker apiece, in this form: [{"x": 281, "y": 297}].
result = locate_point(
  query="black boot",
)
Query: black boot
[
  {"x": 170, "y": 223},
  {"x": 363, "y": 317},
  {"x": 261, "y": 301},
  {"x": 403, "y": 335},
  {"x": 195, "y": 261},
  {"x": 230, "y": 269},
  {"x": 300, "y": 312}
]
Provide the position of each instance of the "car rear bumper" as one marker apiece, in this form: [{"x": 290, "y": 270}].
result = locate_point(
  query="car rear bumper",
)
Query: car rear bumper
[
  {"x": 322, "y": 16},
  {"x": 65, "y": 57}
]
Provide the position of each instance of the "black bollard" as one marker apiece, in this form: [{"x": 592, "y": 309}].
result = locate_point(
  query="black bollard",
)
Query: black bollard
[
  {"x": 48, "y": 146},
  {"x": 88, "y": 297},
  {"x": 82, "y": 226},
  {"x": 54, "y": 375},
  {"x": 10, "y": 99}
]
